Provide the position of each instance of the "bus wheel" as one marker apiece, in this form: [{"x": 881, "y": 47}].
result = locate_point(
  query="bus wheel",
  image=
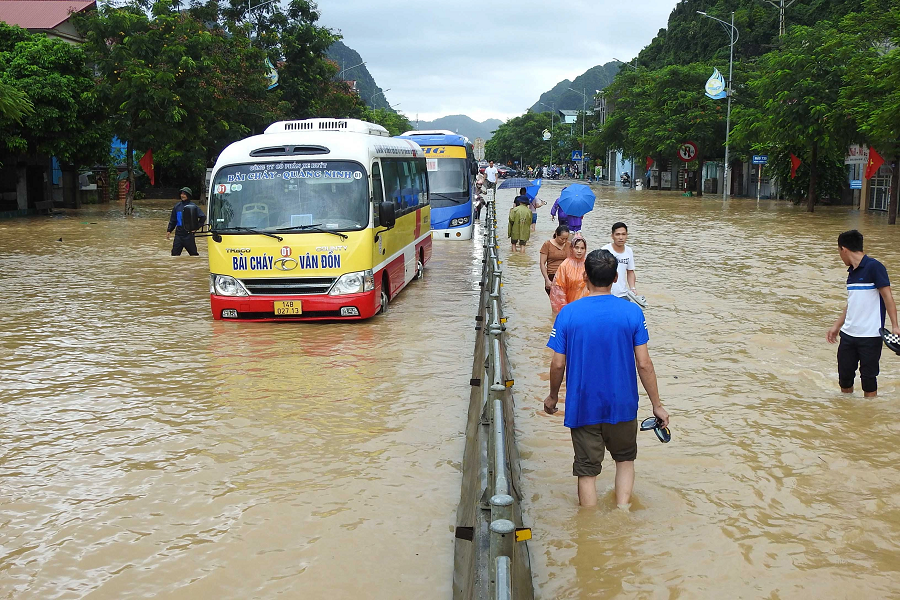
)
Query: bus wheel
[{"x": 385, "y": 296}]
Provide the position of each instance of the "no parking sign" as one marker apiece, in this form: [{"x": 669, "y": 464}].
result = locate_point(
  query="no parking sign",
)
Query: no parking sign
[{"x": 687, "y": 152}]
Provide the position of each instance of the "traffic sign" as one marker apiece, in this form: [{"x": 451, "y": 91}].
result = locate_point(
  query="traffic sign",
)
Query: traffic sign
[
  {"x": 760, "y": 159},
  {"x": 687, "y": 152},
  {"x": 478, "y": 148},
  {"x": 856, "y": 184},
  {"x": 576, "y": 155}
]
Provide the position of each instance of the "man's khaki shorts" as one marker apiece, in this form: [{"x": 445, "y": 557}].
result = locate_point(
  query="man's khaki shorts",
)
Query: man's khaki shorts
[{"x": 590, "y": 442}]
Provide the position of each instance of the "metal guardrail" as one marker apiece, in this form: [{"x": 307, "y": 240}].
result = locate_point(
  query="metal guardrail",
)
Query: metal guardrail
[{"x": 493, "y": 531}]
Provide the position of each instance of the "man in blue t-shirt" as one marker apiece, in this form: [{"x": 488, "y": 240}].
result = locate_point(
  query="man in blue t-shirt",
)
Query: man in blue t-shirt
[
  {"x": 869, "y": 297},
  {"x": 596, "y": 342}
]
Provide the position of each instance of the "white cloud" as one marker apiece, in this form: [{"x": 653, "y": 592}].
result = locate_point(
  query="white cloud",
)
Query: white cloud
[{"x": 487, "y": 61}]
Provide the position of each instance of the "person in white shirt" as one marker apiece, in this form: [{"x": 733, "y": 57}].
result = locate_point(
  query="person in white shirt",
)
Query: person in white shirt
[
  {"x": 623, "y": 253},
  {"x": 491, "y": 173}
]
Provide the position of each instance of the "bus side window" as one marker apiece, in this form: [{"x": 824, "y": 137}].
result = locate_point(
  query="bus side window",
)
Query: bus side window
[
  {"x": 390, "y": 172},
  {"x": 420, "y": 181},
  {"x": 377, "y": 190}
]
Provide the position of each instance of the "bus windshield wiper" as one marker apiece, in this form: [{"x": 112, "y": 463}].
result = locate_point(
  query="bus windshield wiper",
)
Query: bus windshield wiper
[
  {"x": 251, "y": 230},
  {"x": 316, "y": 228}
]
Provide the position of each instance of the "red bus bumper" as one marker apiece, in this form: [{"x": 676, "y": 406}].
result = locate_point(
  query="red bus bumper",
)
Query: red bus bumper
[{"x": 314, "y": 307}]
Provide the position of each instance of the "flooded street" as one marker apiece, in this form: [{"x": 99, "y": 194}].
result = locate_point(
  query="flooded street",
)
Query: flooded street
[
  {"x": 774, "y": 485},
  {"x": 148, "y": 451}
]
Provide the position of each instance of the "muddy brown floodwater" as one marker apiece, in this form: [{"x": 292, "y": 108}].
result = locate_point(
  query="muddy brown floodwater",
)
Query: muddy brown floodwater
[
  {"x": 775, "y": 485},
  {"x": 148, "y": 451}
]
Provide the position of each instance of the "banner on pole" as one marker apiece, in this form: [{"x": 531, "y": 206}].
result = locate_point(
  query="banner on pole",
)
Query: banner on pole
[{"x": 715, "y": 86}]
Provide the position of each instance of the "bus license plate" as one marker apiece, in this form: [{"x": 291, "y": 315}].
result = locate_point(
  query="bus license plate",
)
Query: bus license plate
[{"x": 288, "y": 307}]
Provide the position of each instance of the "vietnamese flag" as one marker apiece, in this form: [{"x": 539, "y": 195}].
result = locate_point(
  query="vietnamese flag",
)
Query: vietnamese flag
[
  {"x": 795, "y": 162},
  {"x": 147, "y": 165},
  {"x": 875, "y": 162},
  {"x": 649, "y": 163}
]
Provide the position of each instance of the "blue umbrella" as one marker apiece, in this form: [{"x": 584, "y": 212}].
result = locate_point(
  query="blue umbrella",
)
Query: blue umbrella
[
  {"x": 577, "y": 200},
  {"x": 514, "y": 183},
  {"x": 532, "y": 189}
]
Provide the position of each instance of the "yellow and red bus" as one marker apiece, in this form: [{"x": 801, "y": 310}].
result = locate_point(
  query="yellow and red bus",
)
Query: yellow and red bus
[{"x": 319, "y": 219}]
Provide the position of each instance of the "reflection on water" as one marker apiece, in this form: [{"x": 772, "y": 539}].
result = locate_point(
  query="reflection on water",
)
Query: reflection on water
[
  {"x": 775, "y": 485},
  {"x": 150, "y": 451}
]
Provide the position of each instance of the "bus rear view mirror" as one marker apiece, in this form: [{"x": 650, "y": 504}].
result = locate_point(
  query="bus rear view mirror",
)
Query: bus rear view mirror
[
  {"x": 386, "y": 215},
  {"x": 190, "y": 216}
]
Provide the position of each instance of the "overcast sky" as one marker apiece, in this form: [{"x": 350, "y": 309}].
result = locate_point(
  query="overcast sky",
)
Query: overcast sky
[{"x": 445, "y": 57}]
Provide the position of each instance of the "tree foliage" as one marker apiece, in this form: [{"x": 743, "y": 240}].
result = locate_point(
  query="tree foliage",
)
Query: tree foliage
[
  {"x": 655, "y": 112},
  {"x": 520, "y": 138},
  {"x": 48, "y": 103},
  {"x": 798, "y": 87}
]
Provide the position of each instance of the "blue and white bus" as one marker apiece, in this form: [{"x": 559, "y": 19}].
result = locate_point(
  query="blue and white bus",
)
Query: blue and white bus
[{"x": 451, "y": 180}]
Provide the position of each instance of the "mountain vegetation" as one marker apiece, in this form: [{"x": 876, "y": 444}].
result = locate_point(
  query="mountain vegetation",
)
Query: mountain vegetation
[
  {"x": 345, "y": 58},
  {"x": 463, "y": 125},
  {"x": 561, "y": 97}
]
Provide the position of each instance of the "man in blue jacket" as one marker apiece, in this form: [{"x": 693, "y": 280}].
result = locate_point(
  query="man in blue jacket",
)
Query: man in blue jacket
[
  {"x": 184, "y": 239},
  {"x": 597, "y": 341}
]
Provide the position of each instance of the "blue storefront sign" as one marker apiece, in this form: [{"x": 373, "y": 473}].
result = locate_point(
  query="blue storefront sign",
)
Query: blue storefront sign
[
  {"x": 856, "y": 184},
  {"x": 760, "y": 159}
]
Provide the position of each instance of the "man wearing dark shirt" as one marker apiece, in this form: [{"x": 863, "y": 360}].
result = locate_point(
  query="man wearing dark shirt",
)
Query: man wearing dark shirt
[{"x": 184, "y": 239}]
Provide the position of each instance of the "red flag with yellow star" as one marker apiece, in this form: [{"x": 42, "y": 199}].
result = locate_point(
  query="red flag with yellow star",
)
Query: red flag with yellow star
[
  {"x": 795, "y": 163},
  {"x": 147, "y": 165},
  {"x": 874, "y": 163}
]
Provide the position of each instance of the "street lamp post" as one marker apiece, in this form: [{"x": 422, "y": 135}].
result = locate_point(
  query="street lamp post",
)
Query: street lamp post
[
  {"x": 552, "y": 112},
  {"x": 733, "y": 34},
  {"x": 341, "y": 74},
  {"x": 376, "y": 94},
  {"x": 249, "y": 8},
  {"x": 583, "y": 93}
]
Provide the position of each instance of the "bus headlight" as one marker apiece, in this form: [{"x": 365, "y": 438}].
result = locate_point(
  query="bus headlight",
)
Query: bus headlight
[
  {"x": 353, "y": 283},
  {"x": 458, "y": 222},
  {"x": 226, "y": 285}
]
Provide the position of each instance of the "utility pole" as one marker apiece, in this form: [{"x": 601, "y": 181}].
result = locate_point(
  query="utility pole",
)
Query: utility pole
[
  {"x": 733, "y": 33},
  {"x": 552, "y": 112},
  {"x": 781, "y": 6},
  {"x": 583, "y": 93}
]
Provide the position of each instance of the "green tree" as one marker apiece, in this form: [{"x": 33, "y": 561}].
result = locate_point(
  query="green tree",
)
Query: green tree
[
  {"x": 14, "y": 104},
  {"x": 395, "y": 123},
  {"x": 655, "y": 112},
  {"x": 871, "y": 94},
  {"x": 521, "y": 138},
  {"x": 48, "y": 103},
  {"x": 798, "y": 87},
  {"x": 174, "y": 83}
]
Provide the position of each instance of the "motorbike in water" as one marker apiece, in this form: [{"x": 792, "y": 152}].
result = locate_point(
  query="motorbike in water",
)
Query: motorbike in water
[{"x": 626, "y": 180}]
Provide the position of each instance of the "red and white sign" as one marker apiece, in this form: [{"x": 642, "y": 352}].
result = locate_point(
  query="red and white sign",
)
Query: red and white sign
[
  {"x": 221, "y": 188},
  {"x": 687, "y": 152},
  {"x": 285, "y": 251}
]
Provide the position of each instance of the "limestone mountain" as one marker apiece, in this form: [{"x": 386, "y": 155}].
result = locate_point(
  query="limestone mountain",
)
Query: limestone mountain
[{"x": 562, "y": 98}]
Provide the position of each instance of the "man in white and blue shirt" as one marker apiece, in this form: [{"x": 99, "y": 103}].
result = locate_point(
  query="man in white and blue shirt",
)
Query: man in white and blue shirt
[{"x": 868, "y": 299}]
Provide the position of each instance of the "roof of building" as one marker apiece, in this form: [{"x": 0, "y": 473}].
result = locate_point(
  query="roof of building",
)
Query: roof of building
[{"x": 40, "y": 14}]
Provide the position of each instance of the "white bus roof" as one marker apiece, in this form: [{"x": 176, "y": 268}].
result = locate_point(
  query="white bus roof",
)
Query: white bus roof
[
  {"x": 430, "y": 132},
  {"x": 351, "y": 125},
  {"x": 318, "y": 139}
]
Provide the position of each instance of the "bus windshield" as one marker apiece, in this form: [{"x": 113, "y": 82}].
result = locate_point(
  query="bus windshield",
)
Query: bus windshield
[
  {"x": 447, "y": 176},
  {"x": 269, "y": 196}
]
